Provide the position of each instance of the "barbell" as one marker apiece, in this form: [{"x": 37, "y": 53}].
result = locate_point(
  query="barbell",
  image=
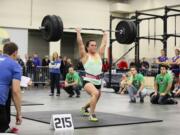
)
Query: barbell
[{"x": 52, "y": 29}]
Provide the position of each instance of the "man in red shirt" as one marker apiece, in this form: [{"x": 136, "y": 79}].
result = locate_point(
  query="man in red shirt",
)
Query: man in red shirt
[{"x": 122, "y": 64}]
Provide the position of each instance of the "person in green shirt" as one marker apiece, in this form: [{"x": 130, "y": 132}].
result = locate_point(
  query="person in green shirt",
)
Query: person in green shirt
[
  {"x": 72, "y": 83},
  {"x": 162, "y": 86},
  {"x": 136, "y": 86}
]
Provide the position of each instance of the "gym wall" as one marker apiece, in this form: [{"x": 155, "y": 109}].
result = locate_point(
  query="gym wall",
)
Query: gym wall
[
  {"x": 150, "y": 50},
  {"x": 20, "y": 37},
  {"x": 36, "y": 44}
]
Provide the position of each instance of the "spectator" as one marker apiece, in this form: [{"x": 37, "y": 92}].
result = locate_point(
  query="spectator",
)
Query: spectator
[
  {"x": 144, "y": 63},
  {"x": 161, "y": 60},
  {"x": 80, "y": 66},
  {"x": 144, "y": 66},
  {"x": 122, "y": 64},
  {"x": 54, "y": 67},
  {"x": 21, "y": 63},
  {"x": 163, "y": 84},
  {"x": 45, "y": 61},
  {"x": 136, "y": 86},
  {"x": 73, "y": 83},
  {"x": 62, "y": 68},
  {"x": 123, "y": 84},
  {"x": 36, "y": 60},
  {"x": 105, "y": 67},
  {"x": 175, "y": 66},
  {"x": 37, "y": 63},
  {"x": 30, "y": 67},
  {"x": 67, "y": 65},
  {"x": 132, "y": 64}
]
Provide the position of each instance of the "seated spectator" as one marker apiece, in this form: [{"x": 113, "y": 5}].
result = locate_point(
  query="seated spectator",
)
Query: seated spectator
[
  {"x": 136, "y": 86},
  {"x": 80, "y": 65},
  {"x": 163, "y": 84},
  {"x": 176, "y": 90},
  {"x": 123, "y": 84},
  {"x": 175, "y": 66},
  {"x": 132, "y": 64},
  {"x": 105, "y": 66},
  {"x": 162, "y": 60},
  {"x": 67, "y": 66},
  {"x": 144, "y": 66},
  {"x": 72, "y": 83},
  {"x": 122, "y": 64}
]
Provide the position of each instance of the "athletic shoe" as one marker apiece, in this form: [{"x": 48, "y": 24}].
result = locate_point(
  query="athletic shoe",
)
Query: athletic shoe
[
  {"x": 132, "y": 101},
  {"x": 141, "y": 100},
  {"x": 78, "y": 96},
  {"x": 84, "y": 111},
  {"x": 52, "y": 94},
  {"x": 93, "y": 118},
  {"x": 58, "y": 95},
  {"x": 71, "y": 95},
  {"x": 12, "y": 130}
]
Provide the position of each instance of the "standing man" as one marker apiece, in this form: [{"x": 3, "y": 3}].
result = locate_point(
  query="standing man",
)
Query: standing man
[
  {"x": 92, "y": 61},
  {"x": 10, "y": 76},
  {"x": 73, "y": 83},
  {"x": 136, "y": 86},
  {"x": 162, "y": 86}
]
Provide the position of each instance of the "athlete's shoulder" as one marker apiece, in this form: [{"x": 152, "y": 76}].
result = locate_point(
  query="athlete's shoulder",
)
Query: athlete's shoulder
[{"x": 140, "y": 75}]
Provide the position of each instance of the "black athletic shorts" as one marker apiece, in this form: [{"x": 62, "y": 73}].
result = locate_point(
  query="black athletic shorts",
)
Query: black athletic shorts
[
  {"x": 97, "y": 86},
  {"x": 4, "y": 124}
]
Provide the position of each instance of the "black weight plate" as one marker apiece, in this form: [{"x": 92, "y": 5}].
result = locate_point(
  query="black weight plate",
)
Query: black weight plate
[
  {"x": 133, "y": 32},
  {"x": 124, "y": 29},
  {"x": 47, "y": 32},
  {"x": 57, "y": 33}
]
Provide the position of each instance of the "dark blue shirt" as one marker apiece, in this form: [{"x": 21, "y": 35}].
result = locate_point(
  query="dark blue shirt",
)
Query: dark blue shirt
[
  {"x": 9, "y": 70},
  {"x": 36, "y": 61}
]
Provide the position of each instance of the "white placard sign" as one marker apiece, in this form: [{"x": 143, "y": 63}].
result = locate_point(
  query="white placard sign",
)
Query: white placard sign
[
  {"x": 62, "y": 122},
  {"x": 24, "y": 81}
]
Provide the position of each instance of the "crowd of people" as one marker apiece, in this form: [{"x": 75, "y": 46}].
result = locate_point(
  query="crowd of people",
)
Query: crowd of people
[{"x": 62, "y": 69}]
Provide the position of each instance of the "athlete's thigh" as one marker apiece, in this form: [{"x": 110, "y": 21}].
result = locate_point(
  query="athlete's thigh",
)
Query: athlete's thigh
[{"x": 90, "y": 88}]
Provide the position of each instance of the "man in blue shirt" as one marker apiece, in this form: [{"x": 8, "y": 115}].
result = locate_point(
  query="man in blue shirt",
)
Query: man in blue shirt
[{"x": 10, "y": 76}]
